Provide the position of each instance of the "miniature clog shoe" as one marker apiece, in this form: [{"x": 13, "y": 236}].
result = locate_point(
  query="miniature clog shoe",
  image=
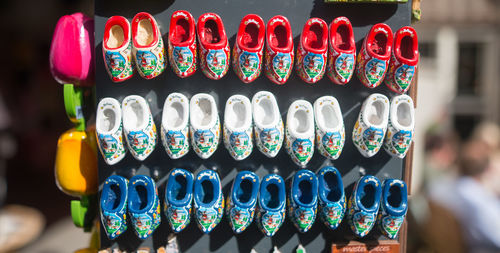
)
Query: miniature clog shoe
[
  {"x": 312, "y": 52},
  {"x": 143, "y": 205},
  {"x": 303, "y": 200},
  {"x": 148, "y": 49},
  {"x": 249, "y": 48},
  {"x": 208, "y": 200},
  {"x": 72, "y": 50},
  {"x": 205, "y": 125},
  {"x": 401, "y": 126},
  {"x": 369, "y": 130},
  {"x": 268, "y": 125},
  {"x": 109, "y": 130},
  {"x": 331, "y": 197},
  {"x": 272, "y": 204},
  {"x": 363, "y": 205},
  {"x": 241, "y": 203},
  {"x": 279, "y": 50},
  {"x": 238, "y": 138},
  {"x": 299, "y": 132},
  {"x": 330, "y": 132},
  {"x": 394, "y": 204},
  {"x": 114, "y": 206},
  {"x": 138, "y": 126},
  {"x": 76, "y": 163},
  {"x": 373, "y": 58},
  {"x": 178, "y": 199},
  {"x": 404, "y": 60},
  {"x": 117, "y": 49},
  {"x": 214, "y": 47},
  {"x": 342, "y": 55},
  {"x": 182, "y": 43},
  {"x": 175, "y": 125}
]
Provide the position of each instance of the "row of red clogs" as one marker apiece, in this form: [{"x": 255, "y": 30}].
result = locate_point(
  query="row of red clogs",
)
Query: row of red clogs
[{"x": 322, "y": 49}]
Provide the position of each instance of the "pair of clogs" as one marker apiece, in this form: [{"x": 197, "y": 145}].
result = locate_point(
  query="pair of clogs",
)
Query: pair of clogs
[
  {"x": 380, "y": 123},
  {"x": 139, "y": 44},
  {"x": 384, "y": 56},
  {"x": 372, "y": 202},
  {"x": 131, "y": 119},
  {"x": 137, "y": 198},
  {"x": 305, "y": 124}
]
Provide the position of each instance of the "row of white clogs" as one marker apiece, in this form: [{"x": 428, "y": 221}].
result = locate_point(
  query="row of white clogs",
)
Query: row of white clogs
[{"x": 196, "y": 123}]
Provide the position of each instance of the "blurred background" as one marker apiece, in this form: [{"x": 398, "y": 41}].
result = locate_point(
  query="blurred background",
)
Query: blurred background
[{"x": 455, "y": 188}]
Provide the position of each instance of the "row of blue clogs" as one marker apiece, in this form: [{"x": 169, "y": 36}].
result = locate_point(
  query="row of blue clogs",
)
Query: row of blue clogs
[
  {"x": 370, "y": 203},
  {"x": 195, "y": 123}
]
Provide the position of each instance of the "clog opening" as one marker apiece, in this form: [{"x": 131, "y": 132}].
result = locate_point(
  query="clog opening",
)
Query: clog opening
[
  {"x": 300, "y": 122},
  {"x": 305, "y": 192},
  {"x": 238, "y": 115},
  {"x": 142, "y": 198},
  {"x": 404, "y": 115},
  {"x": 280, "y": 37},
  {"x": 376, "y": 113},
  {"x": 181, "y": 31},
  {"x": 314, "y": 37},
  {"x": 116, "y": 37},
  {"x": 207, "y": 192},
  {"x": 107, "y": 122},
  {"x": 211, "y": 31},
  {"x": 250, "y": 37},
  {"x": 144, "y": 35},
  {"x": 203, "y": 112},
  {"x": 113, "y": 197},
  {"x": 407, "y": 47},
  {"x": 264, "y": 112},
  {"x": 272, "y": 198},
  {"x": 379, "y": 44},
  {"x": 244, "y": 191},
  {"x": 330, "y": 119},
  {"x": 179, "y": 188},
  {"x": 342, "y": 37},
  {"x": 135, "y": 115},
  {"x": 368, "y": 196},
  {"x": 394, "y": 199},
  {"x": 175, "y": 114},
  {"x": 332, "y": 186}
]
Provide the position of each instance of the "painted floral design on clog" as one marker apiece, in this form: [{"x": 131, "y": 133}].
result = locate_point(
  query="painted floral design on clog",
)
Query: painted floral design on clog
[
  {"x": 362, "y": 217},
  {"x": 182, "y": 43},
  {"x": 148, "y": 48},
  {"x": 312, "y": 51},
  {"x": 117, "y": 51},
  {"x": 114, "y": 206},
  {"x": 178, "y": 199},
  {"x": 109, "y": 130},
  {"x": 394, "y": 205},
  {"x": 370, "y": 128},
  {"x": 299, "y": 132},
  {"x": 272, "y": 204},
  {"x": 175, "y": 125},
  {"x": 401, "y": 126},
  {"x": 342, "y": 55},
  {"x": 279, "y": 50},
  {"x": 214, "y": 47},
  {"x": 303, "y": 200},
  {"x": 373, "y": 58},
  {"x": 208, "y": 212},
  {"x": 139, "y": 128},
  {"x": 404, "y": 60},
  {"x": 249, "y": 48},
  {"x": 242, "y": 201},
  {"x": 145, "y": 218}
]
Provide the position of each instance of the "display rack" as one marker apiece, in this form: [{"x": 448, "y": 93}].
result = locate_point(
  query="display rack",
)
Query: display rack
[{"x": 351, "y": 164}]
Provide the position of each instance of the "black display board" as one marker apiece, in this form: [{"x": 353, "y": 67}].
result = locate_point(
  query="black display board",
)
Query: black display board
[{"x": 351, "y": 164}]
